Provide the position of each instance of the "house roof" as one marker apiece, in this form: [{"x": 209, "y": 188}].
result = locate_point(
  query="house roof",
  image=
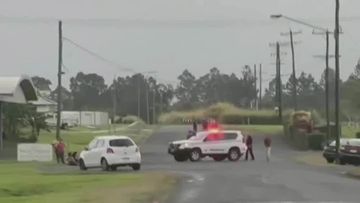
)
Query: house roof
[{"x": 18, "y": 89}]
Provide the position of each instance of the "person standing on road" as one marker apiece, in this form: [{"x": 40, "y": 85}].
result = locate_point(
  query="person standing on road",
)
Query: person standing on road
[
  {"x": 267, "y": 143},
  {"x": 205, "y": 124},
  {"x": 249, "y": 149},
  {"x": 195, "y": 127},
  {"x": 60, "y": 151}
]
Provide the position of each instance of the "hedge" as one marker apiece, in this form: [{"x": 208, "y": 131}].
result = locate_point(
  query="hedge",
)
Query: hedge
[
  {"x": 358, "y": 135},
  {"x": 225, "y": 113},
  {"x": 252, "y": 119}
]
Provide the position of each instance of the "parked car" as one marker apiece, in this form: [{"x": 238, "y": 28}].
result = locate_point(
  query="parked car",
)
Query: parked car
[
  {"x": 110, "y": 152},
  {"x": 349, "y": 151},
  {"x": 216, "y": 144}
]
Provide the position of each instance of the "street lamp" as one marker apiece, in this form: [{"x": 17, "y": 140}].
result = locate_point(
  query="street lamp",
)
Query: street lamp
[{"x": 337, "y": 31}]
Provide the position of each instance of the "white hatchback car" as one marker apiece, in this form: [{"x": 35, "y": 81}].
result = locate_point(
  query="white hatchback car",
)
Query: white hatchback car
[{"x": 110, "y": 152}]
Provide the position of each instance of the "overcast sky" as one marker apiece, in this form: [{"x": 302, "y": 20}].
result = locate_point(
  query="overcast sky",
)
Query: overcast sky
[{"x": 169, "y": 36}]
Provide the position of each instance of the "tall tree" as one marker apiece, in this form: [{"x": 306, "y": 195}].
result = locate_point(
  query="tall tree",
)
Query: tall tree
[{"x": 87, "y": 90}]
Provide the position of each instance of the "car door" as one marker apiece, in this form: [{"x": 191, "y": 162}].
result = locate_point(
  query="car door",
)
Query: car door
[
  {"x": 98, "y": 152},
  {"x": 89, "y": 154},
  {"x": 213, "y": 144}
]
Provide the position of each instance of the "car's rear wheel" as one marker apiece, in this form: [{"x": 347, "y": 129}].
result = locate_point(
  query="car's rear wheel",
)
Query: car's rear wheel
[
  {"x": 136, "y": 167},
  {"x": 181, "y": 158},
  {"x": 219, "y": 157},
  {"x": 195, "y": 155},
  {"x": 82, "y": 165},
  {"x": 104, "y": 165},
  {"x": 234, "y": 154}
]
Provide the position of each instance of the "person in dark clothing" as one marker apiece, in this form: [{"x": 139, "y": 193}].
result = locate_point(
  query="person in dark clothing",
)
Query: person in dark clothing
[
  {"x": 195, "y": 127},
  {"x": 267, "y": 143},
  {"x": 249, "y": 144}
]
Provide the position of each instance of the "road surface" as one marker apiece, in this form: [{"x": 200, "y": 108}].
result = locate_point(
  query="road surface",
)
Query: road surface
[{"x": 283, "y": 179}]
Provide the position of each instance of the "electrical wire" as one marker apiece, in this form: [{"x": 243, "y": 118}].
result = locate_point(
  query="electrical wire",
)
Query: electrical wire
[{"x": 98, "y": 56}]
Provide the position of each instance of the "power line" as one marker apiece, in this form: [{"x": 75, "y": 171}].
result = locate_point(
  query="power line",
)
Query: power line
[{"x": 96, "y": 55}]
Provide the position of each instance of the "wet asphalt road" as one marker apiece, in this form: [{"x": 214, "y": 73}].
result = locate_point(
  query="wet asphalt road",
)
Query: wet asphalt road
[{"x": 283, "y": 179}]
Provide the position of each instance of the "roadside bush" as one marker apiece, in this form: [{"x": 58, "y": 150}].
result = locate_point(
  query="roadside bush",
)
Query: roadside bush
[
  {"x": 316, "y": 140},
  {"x": 129, "y": 119},
  {"x": 358, "y": 135},
  {"x": 233, "y": 118},
  {"x": 225, "y": 113}
]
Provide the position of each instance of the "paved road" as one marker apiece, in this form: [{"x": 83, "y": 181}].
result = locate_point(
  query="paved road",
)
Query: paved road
[{"x": 282, "y": 179}]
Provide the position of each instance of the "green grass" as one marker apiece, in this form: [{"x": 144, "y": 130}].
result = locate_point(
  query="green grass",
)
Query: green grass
[
  {"x": 77, "y": 138},
  {"x": 349, "y": 132},
  {"x": 257, "y": 129},
  {"x": 20, "y": 182}
]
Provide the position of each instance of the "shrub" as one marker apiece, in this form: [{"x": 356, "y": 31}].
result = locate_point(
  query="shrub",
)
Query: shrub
[
  {"x": 129, "y": 119},
  {"x": 358, "y": 135},
  {"x": 225, "y": 113},
  {"x": 316, "y": 140}
]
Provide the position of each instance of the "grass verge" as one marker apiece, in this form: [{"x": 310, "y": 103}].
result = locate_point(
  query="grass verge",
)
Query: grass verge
[
  {"x": 354, "y": 173},
  {"x": 77, "y": 138},
  {"x": 20, "y": 182},
  {"x": 313, "y": 159}
]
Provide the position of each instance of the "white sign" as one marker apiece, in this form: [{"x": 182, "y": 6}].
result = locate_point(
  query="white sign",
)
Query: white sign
[{"x": 34, "y": 152}]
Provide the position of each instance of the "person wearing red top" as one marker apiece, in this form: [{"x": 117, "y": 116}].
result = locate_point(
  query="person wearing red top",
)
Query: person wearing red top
[
  {"x": 249, "y": 144},
  {"x": 60, "y": 151},
  {"x": 267, "y": 143}
]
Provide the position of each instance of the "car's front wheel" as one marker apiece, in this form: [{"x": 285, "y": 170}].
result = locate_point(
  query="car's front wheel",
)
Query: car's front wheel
[
  {"x": 181, "y": 158},
  {"x": 82, "y": 165},
  {"x": 234, "y": 154},
  {"x": 104, "y": 165},
  {"x": 136, "y": 167},
  {"x": 195, "y": 155}
]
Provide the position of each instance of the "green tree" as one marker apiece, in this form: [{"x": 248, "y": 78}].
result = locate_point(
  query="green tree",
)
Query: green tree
[
  {"x": 87, "y": 90},
  {"x": 41, "y": 83}
]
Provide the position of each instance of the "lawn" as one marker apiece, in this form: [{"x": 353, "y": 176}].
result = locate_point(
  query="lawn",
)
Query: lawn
[
  {"x": 348, "y": 131},
  {"x": 77, "y": 138},
  {"x": 21, "y": 182},
  {"x": 257, "y": 129}
]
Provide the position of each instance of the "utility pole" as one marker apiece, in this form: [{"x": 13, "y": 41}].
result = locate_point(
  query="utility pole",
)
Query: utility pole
[
  {"x": 327, "y": 88},
  {"x": 138, "y": 98},
  {"x": 337, "y": 78},
  {"x": 294, "y": 79},
  {"x": 260, "y": 78},
  {"x": 278, "y": 80},
  {"x": 114, "y": 100},
  {"x": 161, "y": 102},
  {"x": 154, "y": 106},
  {"x": 147, "y": 104},
  {"x": 59, "y": 97},
  {"x": 255, "y": 78}
]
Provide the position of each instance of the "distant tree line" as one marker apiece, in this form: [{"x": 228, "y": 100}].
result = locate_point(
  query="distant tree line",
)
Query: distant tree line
[{"x": 90, "y": 92}]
